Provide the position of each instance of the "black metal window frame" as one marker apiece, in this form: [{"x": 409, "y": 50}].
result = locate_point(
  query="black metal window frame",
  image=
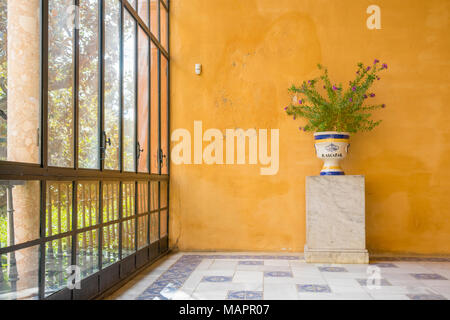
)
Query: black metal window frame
[{"x": 99, "y": 282}]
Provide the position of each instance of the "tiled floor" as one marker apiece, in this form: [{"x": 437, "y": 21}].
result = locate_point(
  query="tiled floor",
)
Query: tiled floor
[{"x": 256, "y": 276}]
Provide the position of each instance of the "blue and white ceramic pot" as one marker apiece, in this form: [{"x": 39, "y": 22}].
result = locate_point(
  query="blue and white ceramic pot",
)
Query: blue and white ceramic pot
[{"x": 331, "y": 147}]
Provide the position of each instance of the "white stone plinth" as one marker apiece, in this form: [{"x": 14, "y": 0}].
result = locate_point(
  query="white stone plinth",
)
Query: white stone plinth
[{"x": 335, "y": 220}]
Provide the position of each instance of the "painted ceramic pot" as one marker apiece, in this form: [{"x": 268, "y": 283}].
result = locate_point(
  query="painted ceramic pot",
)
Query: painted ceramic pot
[{"x": 331, "y": 147}]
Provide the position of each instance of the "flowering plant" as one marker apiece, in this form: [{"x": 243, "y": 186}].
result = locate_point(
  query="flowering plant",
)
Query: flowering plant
[{"x": 342, "y": 110}]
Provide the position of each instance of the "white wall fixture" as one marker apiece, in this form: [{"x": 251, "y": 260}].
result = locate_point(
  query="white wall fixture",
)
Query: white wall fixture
[{"x": 198, "y": 68}]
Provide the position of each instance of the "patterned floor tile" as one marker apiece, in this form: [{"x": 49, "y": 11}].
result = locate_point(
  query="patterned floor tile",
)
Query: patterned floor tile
[
  {"x": 219, "y": 276},
  {"x": 277, "y": 274},
  {"x": 428, "y": 276},
  {"x": 384, "y": 265},
  {"x": 244, "y": 295},
  {"x": 313, "y": 288},
  {"x": 253, "y": 295},
  {"x": 251, "y": 263},
  {"x": 373, "y": 282},
  {"x": 236, "y": 295},
  {"x": 332, "y": 269},
  {"x": 217, "y": 279}
]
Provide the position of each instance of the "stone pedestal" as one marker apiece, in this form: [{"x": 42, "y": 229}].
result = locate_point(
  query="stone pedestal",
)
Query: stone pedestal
[{"x": 335, "y": 220}]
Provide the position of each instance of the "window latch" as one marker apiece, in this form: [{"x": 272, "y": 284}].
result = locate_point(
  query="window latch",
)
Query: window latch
[
  {"x": 161, "y": 157},
  {"x": 105, "y": 142},
  {"x": 139, "y": 150}
]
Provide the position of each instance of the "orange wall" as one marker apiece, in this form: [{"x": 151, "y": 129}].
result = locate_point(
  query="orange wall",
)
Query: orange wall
[{"x": 251, "y": 52}]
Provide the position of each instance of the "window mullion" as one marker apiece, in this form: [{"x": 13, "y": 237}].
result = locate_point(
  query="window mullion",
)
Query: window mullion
[
  {"x": 76, "y": 83},
  {"x": 41, "y": 278},
  {"x": 101, "y": 105},
  {"x": 74, "y": 224},
  {"x": 44, "y": 84},
  {"x": 136, "y": 97},
  {"x": 122, "y": 8}
]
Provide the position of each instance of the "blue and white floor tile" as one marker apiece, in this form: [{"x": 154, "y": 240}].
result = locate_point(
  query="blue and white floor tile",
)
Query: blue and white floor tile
[{"x": 257, "y": 276}]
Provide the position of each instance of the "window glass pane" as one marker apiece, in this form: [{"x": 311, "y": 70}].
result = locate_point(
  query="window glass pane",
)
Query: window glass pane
[
  {"x": 87, "y": 252},
  {"x": 143, "y": 101},
  {"x": 142, "y": 197},
  {"x": 129, "y": 92},
  {"x": 163, "y": 191},
  {"x": 110, "y": 201},
  {"x": 19, "y": 209},
  {"x": 128, "y": 227},
  {"x": 154, "y": 227},
  {"x": 142, "y": 231},
  {"x": 143, "y": 10},
  {"x": 127, "y": 199},
  {"x": 57, "y": 259},
  {"x": 87, "y": 194},
  {"x": 60, "y": 83},
  {"x": 110, "y": 247},
  {"x": 142, "y": 208},
  {"x": 163, "y": 22},
  {"x": 164, "y": 116},
  {"x": 163, "y": 226},
  {"x": 58, "y": 208},
  {"x": 19, "y": 272},
  {"x": 133, "y": 3},
  {"x": 154, "y": 115},
  {"x": 112, "y": 83},
  {"x": 154, "y": 17},
  {"x": 128, "y": 237},
  {"x": 19, "y": 81},
  {"x": 89, "y": 85},
  {"x": 154, "y": 195}
]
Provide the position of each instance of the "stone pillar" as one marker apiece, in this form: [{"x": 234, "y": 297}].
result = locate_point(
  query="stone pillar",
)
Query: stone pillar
[
  {"x": 22, "y": 126},
  {"x": 335, "y": 220}
]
